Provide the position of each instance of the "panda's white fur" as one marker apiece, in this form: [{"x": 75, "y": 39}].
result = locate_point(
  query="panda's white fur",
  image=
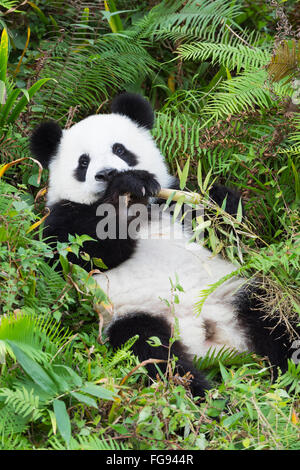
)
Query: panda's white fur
[{"x": 144, "y": 281}]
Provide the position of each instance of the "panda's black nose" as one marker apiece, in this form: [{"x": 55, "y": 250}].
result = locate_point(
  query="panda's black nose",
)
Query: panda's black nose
[{"x": 105, "y": 175}]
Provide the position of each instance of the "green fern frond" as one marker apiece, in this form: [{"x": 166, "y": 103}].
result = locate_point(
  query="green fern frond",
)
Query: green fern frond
[
  {"x": 11, "y": 423},
  {"x": 38, "y": 337},
  {"x": 91, "y": 442},
  {"x": 293, "y": 149},
  {"x": 193, "y": 19},
  {"x": 87, "y": 73},
  {"x": 226, "y": 355},
  {"x": 8, "y": 4},
  {"x": 291, "y": 378},
  {"x": 24, "y": 402},
  {"x": 294, "y": 137},
  {"x": 232, "y": 56},
  {"x": 244, "y": 92},
  {"x": 205, "y": 293},
  {"x": 122, "y": 354},
  {"x": 176, "y": 135},
  {"x": 45, "y": 293}
]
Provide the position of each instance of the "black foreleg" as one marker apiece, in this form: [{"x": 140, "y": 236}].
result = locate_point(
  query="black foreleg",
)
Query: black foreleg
[{"x": 146, "y": 326}]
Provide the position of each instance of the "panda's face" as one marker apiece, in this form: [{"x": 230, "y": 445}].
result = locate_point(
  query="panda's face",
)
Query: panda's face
[
  {"x": 83, "y": 159},
  {"x": 93, "y": 150}
]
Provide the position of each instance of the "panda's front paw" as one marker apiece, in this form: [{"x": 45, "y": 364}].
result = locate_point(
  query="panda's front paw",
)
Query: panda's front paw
[{"x": 139, "y": 184}]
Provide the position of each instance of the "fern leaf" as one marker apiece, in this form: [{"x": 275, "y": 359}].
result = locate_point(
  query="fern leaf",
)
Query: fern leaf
[
  {"x": 286, "y": 61},
  {"x": 36, "y": 336},
  {"x": 192, "y": 19},
  {"x": 24, "y": 402},
  {"x": 237, "y": 56},
  {"x": 244, "y": 92},
  {"x": 226, "y": 355},
  {"x": 291, "y": 378},
  {"x": 204, "y": 294},
  {"x": 89, "y": 443}
]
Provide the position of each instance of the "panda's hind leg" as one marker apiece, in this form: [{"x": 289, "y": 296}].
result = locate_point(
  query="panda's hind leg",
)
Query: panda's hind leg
[
  {"x": 147, "y": 326},
  {"x": 267, "y": 333},
  {"x": 219, "y": 192}
]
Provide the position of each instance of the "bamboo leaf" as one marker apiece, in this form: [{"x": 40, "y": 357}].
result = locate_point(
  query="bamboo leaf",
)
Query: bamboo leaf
[{"x": 184, "y": 175}]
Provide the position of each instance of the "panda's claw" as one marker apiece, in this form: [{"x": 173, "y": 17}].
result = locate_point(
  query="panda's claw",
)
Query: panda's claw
[{"x": 138, "y": 183}]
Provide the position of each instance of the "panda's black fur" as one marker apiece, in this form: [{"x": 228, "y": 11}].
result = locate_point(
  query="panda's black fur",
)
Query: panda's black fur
[{"x": 76, "y": 214}]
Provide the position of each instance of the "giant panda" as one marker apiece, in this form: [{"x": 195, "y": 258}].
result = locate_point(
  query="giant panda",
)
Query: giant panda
[{"x": 111, "y": 157}]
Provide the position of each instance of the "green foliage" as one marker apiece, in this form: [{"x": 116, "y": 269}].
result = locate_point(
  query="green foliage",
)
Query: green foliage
[
  {"x": 291, "y": 378},
  {"x": 175, "y": 20},
  {"x": 265, "y": 417},
  {"x": 225, "y": 355},
  {"x": 243, "y": 92},
  {"x": 236, "y": 55},
  {"x": 10, "y": 106},
  {"x": 89, "y": 443},
  {"x": 7, "y": 4}
]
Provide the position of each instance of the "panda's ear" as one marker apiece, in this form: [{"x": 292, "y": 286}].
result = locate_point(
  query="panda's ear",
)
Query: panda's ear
[
  {"x": 136, "y": 107},
  {"x": 44, "y": 141}
]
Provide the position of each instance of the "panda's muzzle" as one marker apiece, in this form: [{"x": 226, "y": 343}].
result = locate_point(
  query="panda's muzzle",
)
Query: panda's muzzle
[{"x": 105, "y": 175}]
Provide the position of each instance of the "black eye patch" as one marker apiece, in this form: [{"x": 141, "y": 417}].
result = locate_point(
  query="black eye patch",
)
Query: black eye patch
[
  {"x": 121, "y": 151},
  {"x": 83, "y": 163}
]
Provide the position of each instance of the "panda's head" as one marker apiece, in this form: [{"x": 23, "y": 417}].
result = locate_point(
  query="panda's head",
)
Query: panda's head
[{"x": 82, "y": 159}]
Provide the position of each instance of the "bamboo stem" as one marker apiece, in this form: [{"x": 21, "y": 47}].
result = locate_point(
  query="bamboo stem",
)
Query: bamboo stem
[{"x": 193, "y": 198}]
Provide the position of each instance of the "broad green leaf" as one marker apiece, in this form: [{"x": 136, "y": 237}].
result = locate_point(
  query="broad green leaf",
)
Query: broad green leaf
[
  {"x": 82, "y": 398},
  {"x": 239, "y": 215},
  {"x": 34, "y": 370},
  {"x": 62, "y": 420},
  {"x": 206, "y": 181},
  {"x": 26, "y": 94},
  {"x": 98, "y": 391},
  {"x": 39, "y": 12},
  {"x": 99, "y": 263},
  {"x": 199, "y": 175},
  {"x": 53, "y": 421},
  {"x": 69, "y": 374},
  {"x": 154, "y": 341}
]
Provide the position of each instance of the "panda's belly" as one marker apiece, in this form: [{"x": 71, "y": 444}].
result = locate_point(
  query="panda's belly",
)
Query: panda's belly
[
  {"x": 147, "y": 282},
  {"x": 148, "y": 278}
]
